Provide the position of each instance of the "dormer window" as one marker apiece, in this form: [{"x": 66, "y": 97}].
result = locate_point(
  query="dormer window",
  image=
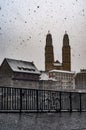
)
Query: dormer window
[{"x": 25, "y": 69}]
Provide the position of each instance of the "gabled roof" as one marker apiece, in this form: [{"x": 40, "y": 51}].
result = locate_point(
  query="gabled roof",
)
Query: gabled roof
[
  {"x": 57, "y": 63},
  {"x": 22, "y": 66}
]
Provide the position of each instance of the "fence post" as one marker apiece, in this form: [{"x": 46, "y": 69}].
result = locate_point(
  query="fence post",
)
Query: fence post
[
  {"x": 37, "y": 100},
  {"x": 2, "y": 108},
  {"x": 7, "y": 96},
  {"x": 60, "y": 102},
  {"x": 80, "y": 102},
  {"x": 70, "y": 96},
  {"x": 20, "y": 100}
]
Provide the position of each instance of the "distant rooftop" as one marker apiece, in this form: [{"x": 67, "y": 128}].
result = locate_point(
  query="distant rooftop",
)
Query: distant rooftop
[
  {"x": 22, "y": 66},
  {"x": 57, "y": 63},
  {"x": 62, "y": 71},
  {"x": 83, "y": 70}
]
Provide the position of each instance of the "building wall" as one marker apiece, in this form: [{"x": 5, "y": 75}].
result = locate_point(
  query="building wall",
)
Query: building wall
[
  {"x": 5, "y": 70},
  {"x": 49, "y": 85},
  {"x": 80, "y": 80},
  {"x": 40, "y": 84},
  {"x": 58, "y": 67},
  {"x": 66, "y": 58},
  {"x": 25, "y": 76},
  {"x": 66, "y": 79},
  {"x": 6, "y": 81}
]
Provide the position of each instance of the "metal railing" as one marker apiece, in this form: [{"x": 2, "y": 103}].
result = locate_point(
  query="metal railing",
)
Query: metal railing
[{"x": 33, "y": 100}]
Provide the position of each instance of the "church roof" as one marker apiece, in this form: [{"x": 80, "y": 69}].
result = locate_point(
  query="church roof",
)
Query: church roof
[
  {"x": 57, "y": 63},
  {"x": 22, "y": 66}
]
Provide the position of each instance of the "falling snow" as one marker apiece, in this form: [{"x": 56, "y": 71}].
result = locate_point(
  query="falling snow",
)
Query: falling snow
[{"x": 24, "y": 26}]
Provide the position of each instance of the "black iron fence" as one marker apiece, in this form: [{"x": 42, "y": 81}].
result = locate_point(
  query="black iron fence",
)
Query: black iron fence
[{"x": 33, "y": 100}]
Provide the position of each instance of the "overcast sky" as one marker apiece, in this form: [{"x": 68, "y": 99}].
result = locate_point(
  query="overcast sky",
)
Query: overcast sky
[{"x": 24, "y": 25}]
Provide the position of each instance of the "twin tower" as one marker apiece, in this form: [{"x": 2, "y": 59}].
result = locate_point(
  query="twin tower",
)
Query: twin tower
[{"x": 49, "y": 55}]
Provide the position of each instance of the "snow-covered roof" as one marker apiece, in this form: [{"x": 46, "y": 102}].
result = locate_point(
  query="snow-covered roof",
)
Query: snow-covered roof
[
  {"x": 62, "y": 71},
  {"x": 57, "y": 63},
  {"x": 22, "y": 66},
  {"x": 83, "y": 71},
  {"x": 45, "y": 76}
]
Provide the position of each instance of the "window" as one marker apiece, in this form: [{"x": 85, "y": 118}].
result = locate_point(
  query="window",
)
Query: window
[{"x": 25, "y": 69}]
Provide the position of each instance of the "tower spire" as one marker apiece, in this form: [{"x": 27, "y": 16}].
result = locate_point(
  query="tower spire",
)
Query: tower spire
[
  {"x": 48, "y": 31},
  {"x": 65, "y": 39},
  {"x": 49, "y": 55},
  {"x": 66, "y": 53},
  {"x": 65, "y": 32},
  {"x": 48, "y": 39}
]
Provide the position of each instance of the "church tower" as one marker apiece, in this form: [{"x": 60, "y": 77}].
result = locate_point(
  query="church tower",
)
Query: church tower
[
  {"x": 49, "y": 55},
  {"x": 66, "y": 53}
]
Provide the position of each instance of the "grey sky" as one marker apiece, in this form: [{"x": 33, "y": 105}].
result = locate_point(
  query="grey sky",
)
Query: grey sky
[{"x": 24, "y": 25}]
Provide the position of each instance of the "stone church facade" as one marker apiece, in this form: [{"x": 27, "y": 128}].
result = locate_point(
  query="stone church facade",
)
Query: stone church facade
[{"x": 50, "y": 64}]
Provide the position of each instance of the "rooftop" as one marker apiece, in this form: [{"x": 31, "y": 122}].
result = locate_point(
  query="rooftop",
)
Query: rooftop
[
  {"x": 62, "y": 71},
  {"x": 83, "y": 71},
  {"x": 22, "y": 66}
]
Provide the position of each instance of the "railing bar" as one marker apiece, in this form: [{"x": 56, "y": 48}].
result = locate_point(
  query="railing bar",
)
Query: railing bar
[
  {"x": 11, "y": 98},
  {"x": 20, "y": 100},
  {"x": 28, "y": 98},
  {"x": 60, "y": 101},
  {"x": 5, "y": 98},
  {"x": 32, "y": 99},
  {"x": 13, "y": 92},
  {"x": 2, "y": 100},
  {"x": 80, "y": 102},
  {"x": 44, "y": 100},
  {"x": 38, "y": 100},
  {"x": 15, "y": 97},
  {"x": 70, "y": 102}
]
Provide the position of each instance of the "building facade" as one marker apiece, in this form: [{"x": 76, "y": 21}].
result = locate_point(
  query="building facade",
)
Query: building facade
[
  {"x": 64, "y": 78},
  {"x": 17, "y": 73},
  {"x": 49, "y": 55},
  {"x": 80, "y": 79},
  {"x": 23, "y": 74}
]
